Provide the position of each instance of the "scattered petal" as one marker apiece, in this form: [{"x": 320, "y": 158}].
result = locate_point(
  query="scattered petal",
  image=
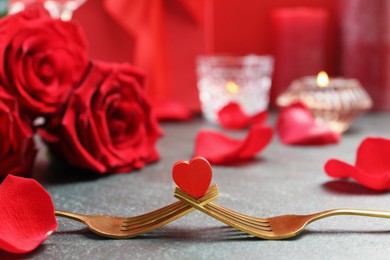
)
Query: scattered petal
[
  {"x": 259, "y": 118},
  {"x": 232, "y": 116},
  {"x": 373, "y": 155},
  {"x": 218, "y": 148},
  {"x": 171, "y": 110},
  {"x": 26, "y": 215},
  {"x": 297, "y": 126},
  {"x": 372, "y": 165}
]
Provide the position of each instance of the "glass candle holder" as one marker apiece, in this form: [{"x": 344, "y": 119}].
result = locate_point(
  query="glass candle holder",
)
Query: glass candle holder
[
  {"x": 245, "y": 80},
  {"x": 335, "y": 103},
  {"x": 62, "y": 9}
]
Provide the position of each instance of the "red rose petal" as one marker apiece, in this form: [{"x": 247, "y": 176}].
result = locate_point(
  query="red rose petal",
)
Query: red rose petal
[
  {"x": 296, "y": 126},
  {"x": 221, "y": 149},
  {"x": 373, "y": 155},
  {"x": 171, "y": 110},
  {"x": 259, "y": 118},
  {"x": 372, "y": 165},
  {"x": 26, "y": 215},
  {"x": 339, "y": 169},
  {"x": 232, "y": 116}
]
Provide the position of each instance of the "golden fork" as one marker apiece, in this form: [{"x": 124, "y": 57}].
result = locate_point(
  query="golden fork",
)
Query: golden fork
[
  {"x": 118, "y": 227},
  {"x": 279, "y": 227}
]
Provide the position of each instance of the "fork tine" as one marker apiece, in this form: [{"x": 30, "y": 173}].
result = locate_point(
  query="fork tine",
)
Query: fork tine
[
  {"x": 194, "y": 200},
  {"x": 155, "y": 221},
  {"x": 249, "y": 219},
  {"x": 213, "y": 189},
  {"x": 172, "y": 211},
  {"x": 169, "y": 210},
  {"x": 262, "y": 225},
  {"x": 141, "y": 228},
  {"x": 242, "y": 225},
  {"x": 240, "y": 215},
  {"x": 257, "y": 230},
  {"x": 155, "y": 215}
]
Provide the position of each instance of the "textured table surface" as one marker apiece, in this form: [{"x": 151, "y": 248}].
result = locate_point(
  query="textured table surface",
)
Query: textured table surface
[{"x": 281, "y": 180}]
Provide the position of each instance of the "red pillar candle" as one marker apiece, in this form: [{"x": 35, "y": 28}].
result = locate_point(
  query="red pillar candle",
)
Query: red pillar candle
[
  {"x": 299, "y": 38},
  {"x": 365, "y": 46}
]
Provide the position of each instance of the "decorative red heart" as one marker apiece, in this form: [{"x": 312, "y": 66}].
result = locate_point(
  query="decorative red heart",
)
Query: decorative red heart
[
  {"x": 297, "y": 126},
  {"x": 193, "y": 177}
]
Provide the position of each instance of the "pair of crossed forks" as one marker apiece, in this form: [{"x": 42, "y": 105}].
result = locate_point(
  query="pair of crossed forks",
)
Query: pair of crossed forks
[{"x": 278, "y": 227}]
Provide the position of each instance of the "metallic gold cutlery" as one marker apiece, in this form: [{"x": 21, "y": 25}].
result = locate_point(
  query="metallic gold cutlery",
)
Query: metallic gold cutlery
[
  {"x": 278, "y": 227},
  {"x": 119, "y": 227}
]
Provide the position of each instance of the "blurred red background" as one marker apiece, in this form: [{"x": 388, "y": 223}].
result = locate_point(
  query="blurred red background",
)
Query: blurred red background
[{"x": 230, "y": 27}]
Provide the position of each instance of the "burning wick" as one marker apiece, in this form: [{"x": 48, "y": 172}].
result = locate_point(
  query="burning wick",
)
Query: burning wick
[
  {"x": 232, "y": 87},
  {"x": 322, "y": 79}
]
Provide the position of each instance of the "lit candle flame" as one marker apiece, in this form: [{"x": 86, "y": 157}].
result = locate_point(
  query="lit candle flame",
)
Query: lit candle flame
[
  {"x": 322, "y": 79},
  {"x": 232, "y": 87}
]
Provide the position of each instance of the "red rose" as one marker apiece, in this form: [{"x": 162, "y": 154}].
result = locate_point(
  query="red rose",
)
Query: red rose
[
  {"x": 41, "y": 60},
  {"x": 108, "y": 124},
  {"x": 17, "y": 149}
]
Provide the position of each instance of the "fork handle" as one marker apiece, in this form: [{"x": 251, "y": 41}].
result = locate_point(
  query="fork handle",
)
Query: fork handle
[
  {"x": 356, "y": 212},
  {"x": 71, "y": 215}
]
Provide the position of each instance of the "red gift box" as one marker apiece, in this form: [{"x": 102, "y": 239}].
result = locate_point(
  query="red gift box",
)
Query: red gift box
[
  {"x": 162, "y": 37},
  {"x": 107, "y": 40},
  {"x": 182, "y": 30}
]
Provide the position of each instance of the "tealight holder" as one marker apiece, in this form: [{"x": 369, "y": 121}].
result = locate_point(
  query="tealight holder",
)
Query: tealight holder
[
  {"x": 245, "y": 80},
  {"x": 335, "y": 102}
]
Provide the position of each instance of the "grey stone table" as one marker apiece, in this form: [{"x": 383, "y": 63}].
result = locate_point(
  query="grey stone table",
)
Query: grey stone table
[{"x": 282, "y": 179}]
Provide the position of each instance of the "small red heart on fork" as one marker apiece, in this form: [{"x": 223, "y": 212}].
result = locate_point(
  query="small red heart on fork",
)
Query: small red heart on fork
[{"x": 193, "y": 177}]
